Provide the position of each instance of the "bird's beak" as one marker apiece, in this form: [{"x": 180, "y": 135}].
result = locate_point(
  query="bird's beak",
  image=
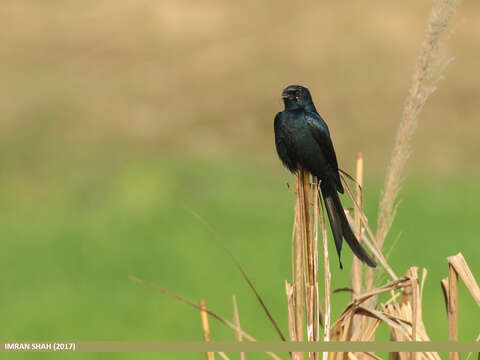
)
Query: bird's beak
[{"x": 285, "y": 95}]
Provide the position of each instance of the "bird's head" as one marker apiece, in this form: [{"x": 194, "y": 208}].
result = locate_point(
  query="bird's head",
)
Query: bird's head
[{"x": 296, "y": 97}]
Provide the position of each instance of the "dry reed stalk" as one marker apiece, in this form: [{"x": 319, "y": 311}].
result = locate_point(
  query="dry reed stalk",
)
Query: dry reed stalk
[
  {"x": 356, "y": 263},
  {"x": 355, "y": 304},
  {"x": 299, "y": 236},
  {"x": 421, "y": 88},
  {"x": 457, "y": 266},
  {"x": 460, "y": 265},
  {"x": 316, "y": 309},
  {"x": 453, "y": 308},
  {"x": 372, "y": 302},
  {"x": 236, "y": 321},
  {"x": 289, "y": 290},
  {"x": 308, "y": 223},
  {"x": 305, "y": 260},
  {"x": 444, "y": 284},
  {"x": 359, "y": 322},
  {"x": 414, "y": 285},
  {"x": 309, "y": 253},
  {"x": 409, "y": 313},
  {"x": 205, "y": 327}
]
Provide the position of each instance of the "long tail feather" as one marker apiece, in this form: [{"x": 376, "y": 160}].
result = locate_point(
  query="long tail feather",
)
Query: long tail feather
[
  {"x": 340, "y": 226},
  {"x": 335, "y": 221}
]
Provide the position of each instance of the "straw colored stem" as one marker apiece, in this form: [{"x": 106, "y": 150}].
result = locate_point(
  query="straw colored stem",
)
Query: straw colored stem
[
  {"x": 414, "y": 285},
  {"x": 357, "y": 264},
  {"x": 359, "y": 322},
  {"x": 299, "y": 230},
  {"x": 453, "y": 309},
  {"x": 300, "y": 235},
  {"x": 327, "y": 275},
  {"x": 236, "y": 321},
  {"x": 205, "y": 327},
  {"x": 310, "y": 269},
  {"x": 316, "y": 309},
  {"x": 308, "y": 224}
]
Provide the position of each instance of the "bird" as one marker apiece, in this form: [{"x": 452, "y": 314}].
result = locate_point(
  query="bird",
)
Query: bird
[{"x": 302, "y": 140}]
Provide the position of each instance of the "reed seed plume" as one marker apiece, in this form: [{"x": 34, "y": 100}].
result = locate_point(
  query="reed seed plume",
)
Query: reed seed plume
[{"x": 427, "y": 72}]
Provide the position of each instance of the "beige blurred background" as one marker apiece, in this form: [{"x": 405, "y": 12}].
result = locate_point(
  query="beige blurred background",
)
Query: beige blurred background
[{"x": 205, "y": 76}]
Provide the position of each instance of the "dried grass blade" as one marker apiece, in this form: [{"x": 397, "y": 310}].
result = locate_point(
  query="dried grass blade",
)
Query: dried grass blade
[
  {"x": 387, "y": 318},
  {"x": 196, "y": 306}
]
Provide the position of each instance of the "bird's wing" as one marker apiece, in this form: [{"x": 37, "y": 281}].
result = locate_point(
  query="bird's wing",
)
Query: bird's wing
[
  {"x": 321, "y": 134},
  {"x": 281, "y": 143}
]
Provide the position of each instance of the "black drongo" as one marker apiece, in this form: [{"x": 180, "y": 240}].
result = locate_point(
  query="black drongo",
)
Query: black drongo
[{"x": 303, "y": 140}]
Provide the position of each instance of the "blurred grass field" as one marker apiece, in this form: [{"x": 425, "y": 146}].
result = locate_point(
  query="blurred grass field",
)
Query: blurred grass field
[
  {"x": 118, "y": 119},
  {"x": 69, "y": 257}
]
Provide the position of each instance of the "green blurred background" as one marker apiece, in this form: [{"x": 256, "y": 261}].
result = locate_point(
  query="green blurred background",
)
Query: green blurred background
[{"x": 121, "y": 118}]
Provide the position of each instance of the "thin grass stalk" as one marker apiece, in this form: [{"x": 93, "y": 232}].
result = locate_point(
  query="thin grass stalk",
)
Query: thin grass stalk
[
  {"x": 356, "y": 276},
  {"x": 236, "y": 321},
  {"x": 327, "y": 277},
  {"x": 371, "y": 245},
  {"x": 205, "y": 327},
  {"x": 420, "y": 89}
]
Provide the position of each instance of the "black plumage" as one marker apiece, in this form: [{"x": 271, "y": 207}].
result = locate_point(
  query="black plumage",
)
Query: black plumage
[{"x": 303, "y": 140}]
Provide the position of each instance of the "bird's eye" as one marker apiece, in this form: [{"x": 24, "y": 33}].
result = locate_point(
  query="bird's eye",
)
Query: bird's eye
[{"x": 297, "y": 93}]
